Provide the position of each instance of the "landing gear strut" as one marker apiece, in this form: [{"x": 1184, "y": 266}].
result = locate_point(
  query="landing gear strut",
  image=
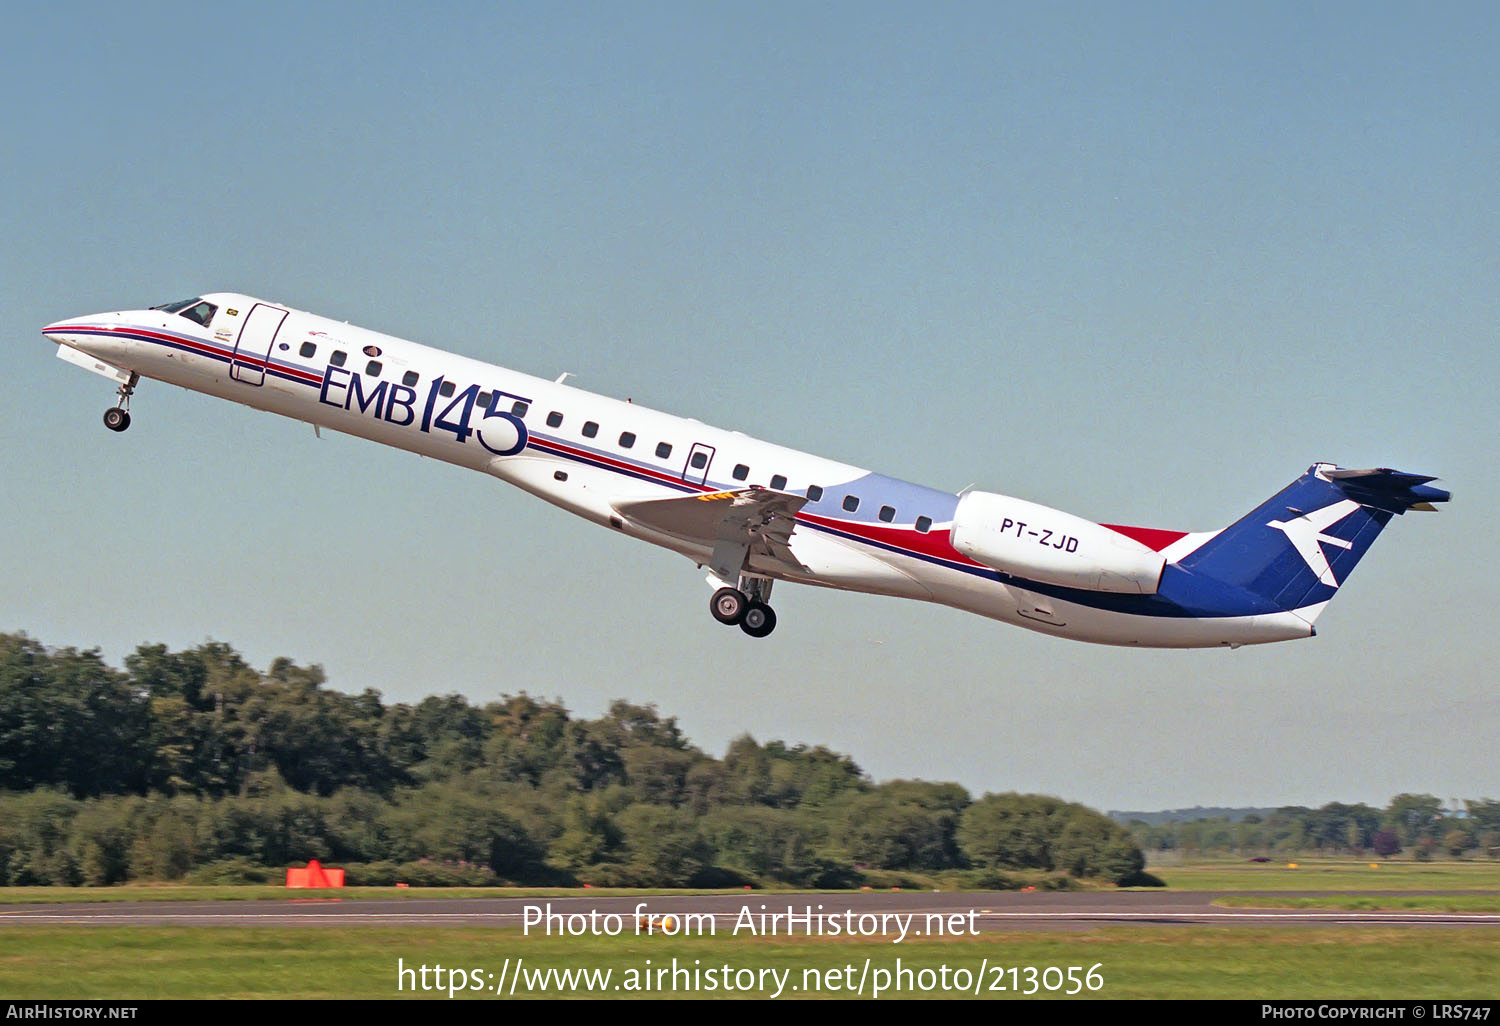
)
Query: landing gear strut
[
  {"x": 117, "y": 417},
  {"x": 745, "y": 606}
]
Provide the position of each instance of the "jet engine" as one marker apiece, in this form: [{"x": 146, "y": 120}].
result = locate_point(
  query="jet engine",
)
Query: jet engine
[{"x": 1044, "y": 544}]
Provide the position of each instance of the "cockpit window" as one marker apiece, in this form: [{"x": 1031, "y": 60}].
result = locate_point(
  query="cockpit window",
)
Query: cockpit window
[
  {"x": 200, "y": 312},
  {"x": 194, "y": 309}
]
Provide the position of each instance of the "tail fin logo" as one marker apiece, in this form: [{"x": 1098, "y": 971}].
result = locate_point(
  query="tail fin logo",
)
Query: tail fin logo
[{"x": 1306, "y": 535}]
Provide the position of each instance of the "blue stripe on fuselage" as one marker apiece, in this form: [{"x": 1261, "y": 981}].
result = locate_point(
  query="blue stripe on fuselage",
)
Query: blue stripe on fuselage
[
  {"x": 197, "y": 347},
  {"x": 1181, "y": 594}
]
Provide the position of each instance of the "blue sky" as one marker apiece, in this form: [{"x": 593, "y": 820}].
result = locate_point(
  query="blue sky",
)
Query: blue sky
[{"x": 1145, "y": 262}]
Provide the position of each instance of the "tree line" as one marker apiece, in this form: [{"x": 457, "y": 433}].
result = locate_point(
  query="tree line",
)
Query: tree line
[
  {"x": 195, "y": 765},
  {"x": 1414, "y": 824}
]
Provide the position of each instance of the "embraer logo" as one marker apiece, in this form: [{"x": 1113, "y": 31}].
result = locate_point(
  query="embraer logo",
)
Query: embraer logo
[{"x": 1307, "y": 537}]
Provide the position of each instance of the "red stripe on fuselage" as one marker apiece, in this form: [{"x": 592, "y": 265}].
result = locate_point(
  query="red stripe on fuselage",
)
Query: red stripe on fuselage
[
  {"x": 1154, "y": 538},
  {"x": 933, "y": 543},
  {"x": 614, "y": 464},
  {"x": 206, "y": 348}
]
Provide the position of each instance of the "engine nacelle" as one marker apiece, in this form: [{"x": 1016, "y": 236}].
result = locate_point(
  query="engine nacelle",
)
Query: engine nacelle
[{"x": 1044, "y": 544}]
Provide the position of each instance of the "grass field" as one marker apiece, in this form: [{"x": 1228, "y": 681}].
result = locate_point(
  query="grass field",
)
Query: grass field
[
  {"x": 271, "y": 892},
  {"x": 1332, "y": 875},
  {"x": 1311, "y": 875},
  {"x": 1165, "y": 962},
  {"x": 61, "y": 962},
  {"x": 1368, "y": 902}
]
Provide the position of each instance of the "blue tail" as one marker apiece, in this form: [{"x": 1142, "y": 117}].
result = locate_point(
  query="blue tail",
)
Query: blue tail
[{"x": 1297, "y": 547}]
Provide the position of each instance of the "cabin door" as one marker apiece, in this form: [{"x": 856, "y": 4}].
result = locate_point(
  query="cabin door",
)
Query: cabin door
[
  {"x": 695, "y": 471},
  {"x": 253, "y": 350}
]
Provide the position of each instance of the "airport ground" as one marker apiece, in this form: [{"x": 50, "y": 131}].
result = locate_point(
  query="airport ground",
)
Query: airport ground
[{"x": 1219, "y": 930}]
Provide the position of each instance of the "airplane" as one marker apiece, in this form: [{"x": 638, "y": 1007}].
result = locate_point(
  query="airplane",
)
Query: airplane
[{"x": 752, "y": 512}]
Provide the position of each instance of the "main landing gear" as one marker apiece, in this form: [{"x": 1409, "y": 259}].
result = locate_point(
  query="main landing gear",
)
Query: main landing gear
[
  {"x": 117, "y": 417},
  {"x": 745, "y": 606}
]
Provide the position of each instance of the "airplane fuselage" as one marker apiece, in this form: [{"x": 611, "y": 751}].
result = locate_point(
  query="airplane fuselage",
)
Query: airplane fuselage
[{"x": 603, "y": 458}]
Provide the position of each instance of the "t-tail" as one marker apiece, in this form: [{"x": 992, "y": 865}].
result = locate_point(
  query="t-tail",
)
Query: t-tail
[{"x": 1293, "y": 551}]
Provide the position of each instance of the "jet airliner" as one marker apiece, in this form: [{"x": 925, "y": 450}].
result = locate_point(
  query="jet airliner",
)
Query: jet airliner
[{"x": 753, "y": 513}]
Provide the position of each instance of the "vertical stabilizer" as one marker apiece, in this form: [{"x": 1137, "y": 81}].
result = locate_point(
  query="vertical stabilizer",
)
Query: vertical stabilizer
[{"x": 1299, "y": 546}]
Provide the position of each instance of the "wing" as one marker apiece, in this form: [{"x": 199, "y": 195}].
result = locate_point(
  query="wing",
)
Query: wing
[{"x": 736, "y": 525}]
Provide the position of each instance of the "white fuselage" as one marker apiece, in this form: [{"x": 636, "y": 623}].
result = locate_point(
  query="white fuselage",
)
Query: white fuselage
[{"x": 589, "y": 454}]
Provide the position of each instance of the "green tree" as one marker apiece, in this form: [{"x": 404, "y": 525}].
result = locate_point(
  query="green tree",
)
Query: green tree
[
  {"x": 1414, "y": 816},
  {"x": 527, "y": 739},
  {"x": 1009, "y": 831},
  {"x": 199, "y": 741},
  {"x": 444, "y": 822},
  {"x": 788, "y": 846},
  {"x": 1028, "y": 831},
  {"x": 68, "y": 720},
  {"x": 589, "y": 836},
  {"x": 1091, "y": 845},
  {"x": 1457, "y": 842},
  {"x": 662, "y": 846},
  {"x": 903, "y": 825},
  {"x": 1483, "y": 815}
]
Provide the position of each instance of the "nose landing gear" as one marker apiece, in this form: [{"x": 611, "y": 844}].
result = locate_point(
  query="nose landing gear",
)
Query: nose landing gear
[
  {"x": 117, "y": 417},
  {"x": 745, "y": 606}
]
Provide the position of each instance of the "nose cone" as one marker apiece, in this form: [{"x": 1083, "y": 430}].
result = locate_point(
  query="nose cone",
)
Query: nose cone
[
  {"x": 84, "y": 330},
  {"x": 73, "y": 330}
]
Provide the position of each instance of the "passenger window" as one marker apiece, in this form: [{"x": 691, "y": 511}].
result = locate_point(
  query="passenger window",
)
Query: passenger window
[
  {"x": 338, "y": 358},
  {"x": 590, "y": 429},
  {"x": 554, "y": 419},
  {"x": 518, "y": 408},
  {"x": 627, "y": 439},
  {"x": 741, "y": 472},
  {"x": 778, "y": 482},
  {"x": 308, "y": 349},
  {"x": 700, "y": 460},
  {"x": 445, "y": 389},
  {"x": 410, "y": 379},
  {"x": 924, "y": 524},
  {"x": 851, "y": 503},
  {"x": 814, "y": 493},
  {"x": 483, "y": 400},
  {"x": 887, "y": 513},
  {"x": 663, "y": 450},
  {"x": 373, "y": 368}
]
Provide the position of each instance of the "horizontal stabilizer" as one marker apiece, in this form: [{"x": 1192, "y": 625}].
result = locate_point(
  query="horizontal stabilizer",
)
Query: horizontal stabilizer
[{"x": 1387, "y": 489}]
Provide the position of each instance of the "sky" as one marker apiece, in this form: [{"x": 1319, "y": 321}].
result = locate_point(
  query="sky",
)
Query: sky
[{"x": 1144, "y": 262}]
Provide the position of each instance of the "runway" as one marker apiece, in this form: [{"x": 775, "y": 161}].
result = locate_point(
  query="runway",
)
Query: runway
[{"x": 826, "y": 913}]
